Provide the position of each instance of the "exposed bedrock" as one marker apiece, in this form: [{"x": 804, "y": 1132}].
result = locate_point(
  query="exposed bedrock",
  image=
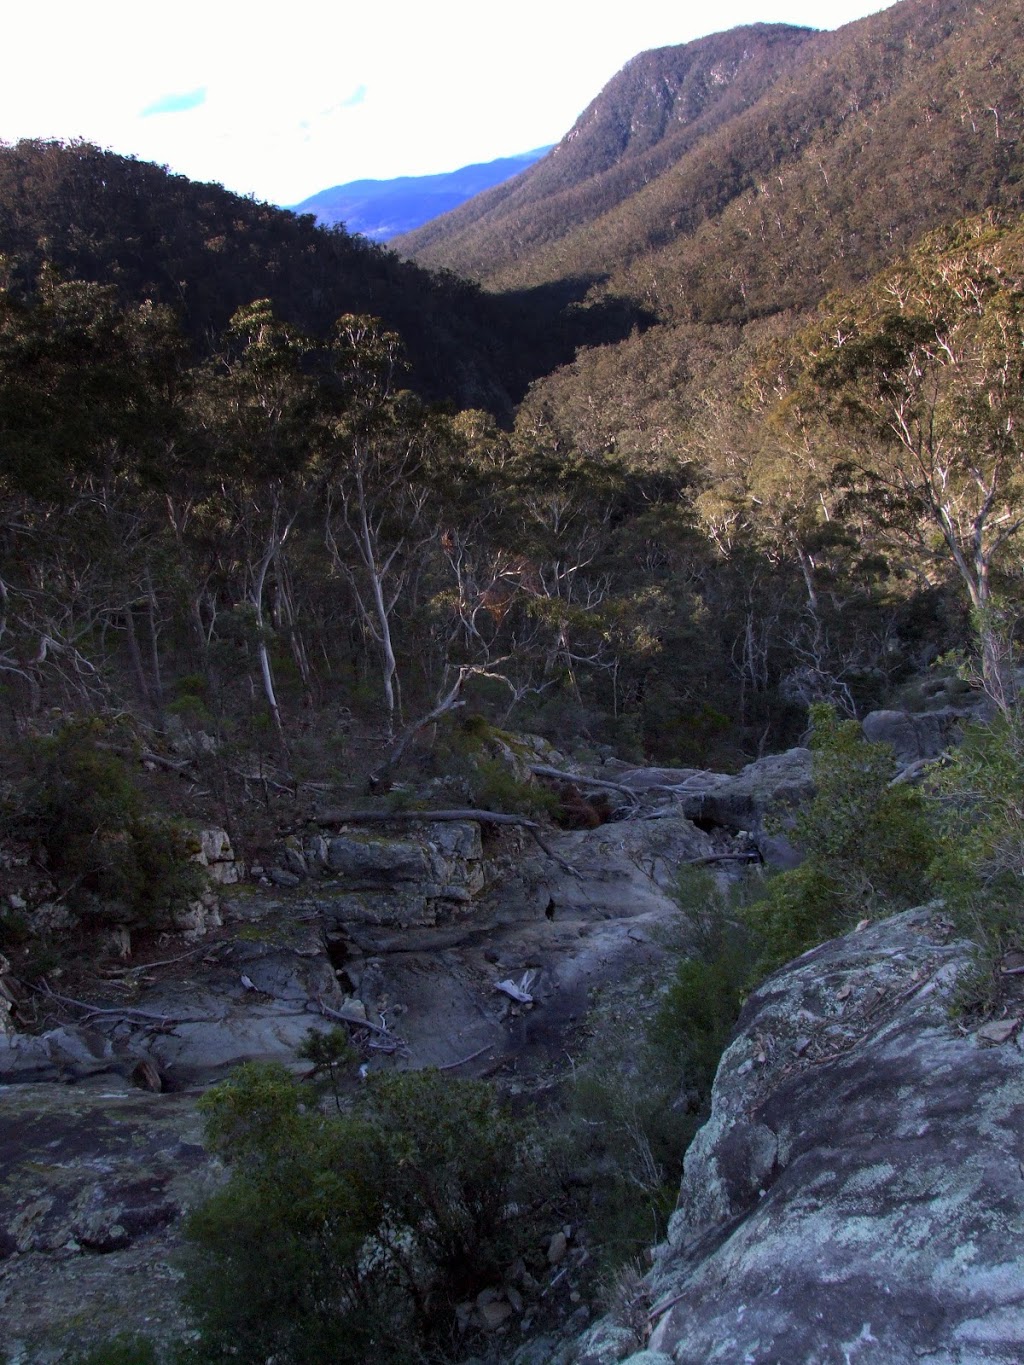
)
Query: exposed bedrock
[
  {"x": 760, "y": 799},
  {"x": 857, "y": 1194}
]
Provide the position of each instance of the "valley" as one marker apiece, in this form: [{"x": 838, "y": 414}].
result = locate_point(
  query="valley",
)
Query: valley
[{"x": 512, "y": 740}]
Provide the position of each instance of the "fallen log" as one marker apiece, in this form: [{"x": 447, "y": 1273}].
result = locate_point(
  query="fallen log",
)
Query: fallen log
[
  {"x": 751, "y": 856},
  {"x": 542, "y": 770},
  {"x": 123, "y": 1012},
  {"x": 380, "y": 817}
]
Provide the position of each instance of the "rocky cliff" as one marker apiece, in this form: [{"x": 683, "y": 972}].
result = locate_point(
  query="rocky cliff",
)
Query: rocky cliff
[{"x": 857, "y": 1194}]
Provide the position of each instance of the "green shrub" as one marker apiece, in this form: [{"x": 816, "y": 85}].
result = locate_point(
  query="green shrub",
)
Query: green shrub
[
  {"x": 868, "y": 846},
  {"x": 617, "y": 1139},
  {"x": 127, "y": 1349},
  {"x": 980, "y": 868},
  {"x": 332, "y": 1055},
  {"x": 106, "y": 853},
  {"x": 640, "y": 1091},
  {"x": 699, "y": 1009},
  {"x": 353, "y": 1236}
]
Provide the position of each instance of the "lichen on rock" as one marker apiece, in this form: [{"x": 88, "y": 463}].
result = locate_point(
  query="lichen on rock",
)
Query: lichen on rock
[{"x": 856, "y": 1194}]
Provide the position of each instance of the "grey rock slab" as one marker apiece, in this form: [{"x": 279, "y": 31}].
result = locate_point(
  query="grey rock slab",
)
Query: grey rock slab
[
  {"x": 762, "y": 793},
  {"x": 200, "y": 1053},
  {"x": 916, "y": 735},
  {"x": 67, "y": 1053},
  {"x": 95, "y": 1180},
  {"x": 396, "y": 909},
  {"x": 218, "y": 1021},
  {"x": 377, "y": 863},
  {"x": 603, "y": 923},
  {"x": 856, "y": 1193}
]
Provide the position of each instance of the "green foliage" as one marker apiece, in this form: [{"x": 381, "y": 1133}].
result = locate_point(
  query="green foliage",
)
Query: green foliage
[
  {"x": 497, "y": 788},
  {"x": 126, "y": 1349},
  {"x": 698, "y": 1011},
  {"x": 980, "y": 870},
  {"x": 868, "y": 846},
  {"x": 108, "y": 854},
  {"x": 331, "y": 1054},
  {"x": 617, "y": 1139},
  {"x": 641, "y": 1089},
  {"x": 353, "y": 1234},
  {"x": 453, "y": 1163}
]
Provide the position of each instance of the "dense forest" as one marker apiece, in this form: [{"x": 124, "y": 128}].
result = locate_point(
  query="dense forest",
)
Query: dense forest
[{"x": 279, "y": 460}]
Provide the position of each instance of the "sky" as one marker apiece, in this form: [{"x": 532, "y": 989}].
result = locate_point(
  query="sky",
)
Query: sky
[{"x": 290, "y": 99}]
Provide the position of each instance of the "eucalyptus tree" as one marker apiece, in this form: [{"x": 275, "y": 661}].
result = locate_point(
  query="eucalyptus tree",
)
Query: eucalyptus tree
[
  {"x": 258, "y": 404},
  {"x": 381, "y": 492},
  {"x": 923, "y": 376}
]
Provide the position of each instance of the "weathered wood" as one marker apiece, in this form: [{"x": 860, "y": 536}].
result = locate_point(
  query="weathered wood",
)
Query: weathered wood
[
  {"x": 542, "y": 770},
  {"x": 129, "y": 1015},
  {"x": 380, "y": 817},
  {"x": 450, "y": 1066},
  {"x": 751, "y": 857}
]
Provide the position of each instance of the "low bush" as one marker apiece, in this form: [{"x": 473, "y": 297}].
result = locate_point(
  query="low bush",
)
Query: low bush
[
  {"x": 353, "y": 1235},
  {"x": 699, "y": 1008},
  {"x": 109, "y": 856},
  {"x": 868, "y": 846},
  {"x": 980, "y": 867},
  {"x": 126, "y": 1349}
]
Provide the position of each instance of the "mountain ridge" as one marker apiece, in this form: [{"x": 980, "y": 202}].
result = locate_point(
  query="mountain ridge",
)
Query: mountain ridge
[
  {"x": 382, "y": 209},
  {"x": 896, "y": 99},
  {"x": 631, "y": 115}
]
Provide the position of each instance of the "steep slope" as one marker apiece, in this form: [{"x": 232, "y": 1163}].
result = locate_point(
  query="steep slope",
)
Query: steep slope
[
  {"x": 657, "y": 109},
  {"x": 852, "y": 1194},
  {"x": 821, "y": 157},
  {"x": 381, "y": 209},
  {"x": 205, "y": 252}
]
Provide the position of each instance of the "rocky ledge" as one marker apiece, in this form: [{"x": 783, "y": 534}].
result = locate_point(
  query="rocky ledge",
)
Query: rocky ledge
[{"x": 857, "y": 1194}]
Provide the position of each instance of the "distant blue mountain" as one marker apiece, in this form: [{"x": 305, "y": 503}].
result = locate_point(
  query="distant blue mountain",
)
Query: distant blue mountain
[{"x": 382, "y": 209}]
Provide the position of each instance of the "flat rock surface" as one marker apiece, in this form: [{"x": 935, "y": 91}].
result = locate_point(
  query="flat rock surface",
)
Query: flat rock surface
[
  {"x": 93, "y": 1181},
  {"x": 857, "y": 1194},
  {"x": 95, "y": 1173},
  {"x": 759, "y": 799}
]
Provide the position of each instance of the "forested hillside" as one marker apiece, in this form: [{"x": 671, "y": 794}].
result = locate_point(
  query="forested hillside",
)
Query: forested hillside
[
  {"x": 204, "y": 252},
  {"x": 660, "y": 107},
  {"x": 676, "y": 543},
  {"x": 751, "y": 171}
]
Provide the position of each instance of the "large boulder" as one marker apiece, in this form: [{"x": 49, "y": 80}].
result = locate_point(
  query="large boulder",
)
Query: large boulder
[
  {"x": 916, "y": 735},
  {"x": 759, "y": 799},
  {"x": 96, "y": 1177},
  {"x": 857, "y": 1192}
]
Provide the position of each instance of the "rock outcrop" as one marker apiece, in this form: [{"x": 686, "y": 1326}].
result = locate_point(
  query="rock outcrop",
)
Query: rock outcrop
[
  {"x": 757, "y": 800},
  {"x": 857, "y": 1194},
  {"x": 415, "y": 928},
  {"x": 915, "y": 735},
  {"x": 95, "y": 1178}
]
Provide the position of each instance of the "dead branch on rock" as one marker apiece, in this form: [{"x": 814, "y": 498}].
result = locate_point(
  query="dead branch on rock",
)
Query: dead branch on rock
[
  {"x": 751, "y": 856},
  {"x": 381, "y": 817},
  {"x": 550, "y": 852},
  {"x": 542, "y": 770},
  {"x": 391, "y": 1042},
  {"x": 450, "y": 1066},
  {"x": 915, "y": 769},
  {"x": 123, "y": 1012},
  {"x": 209, "y": 948}
]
